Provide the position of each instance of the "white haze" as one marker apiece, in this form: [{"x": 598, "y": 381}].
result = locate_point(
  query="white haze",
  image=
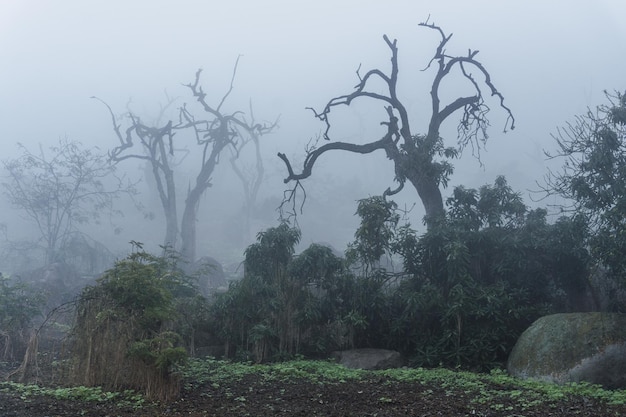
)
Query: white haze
[{"x": 550, "y": 59}]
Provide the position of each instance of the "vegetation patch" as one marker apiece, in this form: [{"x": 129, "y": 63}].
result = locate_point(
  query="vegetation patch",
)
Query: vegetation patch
[
  {"x": 215, "y": 372},
  {"x": 84, "y": 394},
  {"x": 496, "y": 389}
]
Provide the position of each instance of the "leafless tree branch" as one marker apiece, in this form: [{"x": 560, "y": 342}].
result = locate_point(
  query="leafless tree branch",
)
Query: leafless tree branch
[{"x": 413, "y": 155}]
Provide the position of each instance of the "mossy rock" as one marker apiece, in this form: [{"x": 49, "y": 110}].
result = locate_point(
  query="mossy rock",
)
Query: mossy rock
[{"x": 574, "y": 347}]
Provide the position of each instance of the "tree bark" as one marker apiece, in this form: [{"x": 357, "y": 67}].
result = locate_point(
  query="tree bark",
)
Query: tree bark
[
  {"x": 430, "y": 195},
  {"x": 167, "y": 196},
  {"x": 188, "y": 225}
]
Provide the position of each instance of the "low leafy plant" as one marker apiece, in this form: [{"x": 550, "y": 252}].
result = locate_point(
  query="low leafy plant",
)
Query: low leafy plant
[
  {"x": 210, "y": 371},
  {"x": 81, "y": 393},
  {"x": 496, "y": 389}
]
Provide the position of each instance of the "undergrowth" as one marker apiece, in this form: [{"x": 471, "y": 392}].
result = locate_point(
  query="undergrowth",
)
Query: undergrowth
[
  {"x": 198, "y": 372},
  {"x": 497, "y": 389},
  {"x": 127, "y": 398}
]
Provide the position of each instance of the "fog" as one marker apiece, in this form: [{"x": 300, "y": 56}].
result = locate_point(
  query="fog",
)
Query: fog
[{"x": 550, "y": 60}]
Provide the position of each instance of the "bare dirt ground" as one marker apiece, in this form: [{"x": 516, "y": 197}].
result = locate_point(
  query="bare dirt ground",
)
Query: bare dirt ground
[{"x": 253, "y": 396}]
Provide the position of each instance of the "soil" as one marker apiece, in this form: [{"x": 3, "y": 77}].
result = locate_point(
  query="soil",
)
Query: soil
[{"x": 255, "y": 397}]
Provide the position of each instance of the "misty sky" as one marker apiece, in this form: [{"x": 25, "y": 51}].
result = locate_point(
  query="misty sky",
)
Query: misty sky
[{"x": 550, "y": 59}]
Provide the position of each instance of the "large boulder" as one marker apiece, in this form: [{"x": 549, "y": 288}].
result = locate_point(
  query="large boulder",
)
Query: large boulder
[
  {"x": 209, "y": 272},
  {"x": 371, "y": 359},
  {"x": 573, "y": 347}
]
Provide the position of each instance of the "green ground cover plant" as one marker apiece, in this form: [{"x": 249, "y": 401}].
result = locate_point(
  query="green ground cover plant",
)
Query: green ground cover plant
[
  {"x": 495, "y": 389},
  {"x": 80, "y": 393}
]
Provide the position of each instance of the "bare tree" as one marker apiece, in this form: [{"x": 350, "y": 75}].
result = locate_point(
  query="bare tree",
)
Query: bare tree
[
  {"x": 251, "y": 177},
  {"x": 213, "y": 133},
  {"x": 422, "y": 159},
  {"x": 62, "y": 189},
  {"x": 157, "y": 149}
]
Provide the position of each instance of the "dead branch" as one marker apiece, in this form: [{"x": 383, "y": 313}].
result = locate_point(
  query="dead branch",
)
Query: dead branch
[{"x": 413, "y": 159}]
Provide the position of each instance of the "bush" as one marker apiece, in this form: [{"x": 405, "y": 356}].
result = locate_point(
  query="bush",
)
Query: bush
[
  {"x": 482, "y": 275},
  {"x": 285, "y": 304},
  {"x": 123, "y": 336},
  {"x": 468, "y": 288}
]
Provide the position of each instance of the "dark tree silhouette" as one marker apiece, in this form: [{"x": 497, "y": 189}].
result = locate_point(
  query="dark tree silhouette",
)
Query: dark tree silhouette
[
  {"x": 422, "y": 159},
  {"x": 213, "y": 133},
  {"x": 158, "y": 151}
]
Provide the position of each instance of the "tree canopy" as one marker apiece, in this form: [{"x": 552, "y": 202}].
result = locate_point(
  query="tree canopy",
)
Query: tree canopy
[{"x": 593, "y": 148}]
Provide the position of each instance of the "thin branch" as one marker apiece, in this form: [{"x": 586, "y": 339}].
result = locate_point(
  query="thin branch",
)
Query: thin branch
[{"x": 232, "y": 83}]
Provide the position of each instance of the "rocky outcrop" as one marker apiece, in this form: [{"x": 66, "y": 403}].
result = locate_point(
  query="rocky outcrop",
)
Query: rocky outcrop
[
  {"x": 370, "y": 359},
  {"x": 574, "y": 347}
]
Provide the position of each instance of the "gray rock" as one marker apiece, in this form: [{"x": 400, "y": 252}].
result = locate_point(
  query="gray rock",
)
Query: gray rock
[
  {"x": 370, "y": 359},
  {"x": 209, "y": 273},
  {"x": 573, "y": 347}
]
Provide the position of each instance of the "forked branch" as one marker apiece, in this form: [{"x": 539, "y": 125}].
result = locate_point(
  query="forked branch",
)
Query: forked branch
[{"x": 414, "y": 155}]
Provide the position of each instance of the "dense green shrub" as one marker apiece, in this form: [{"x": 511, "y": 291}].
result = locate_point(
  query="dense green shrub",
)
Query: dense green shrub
[
  {"x": 482, "y": 275},
  {"x": 471, "y": 284},
  {"x": 125, "y": 334},
  {"x": 458, "y": 295},
  {"x": 285, "y": 304},
  {"x": 593, "y": 148}
]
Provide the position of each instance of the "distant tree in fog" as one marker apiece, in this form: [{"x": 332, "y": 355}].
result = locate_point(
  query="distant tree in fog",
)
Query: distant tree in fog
[
  {"x": 250, "y": 176},
  {"x": 157, "y": 150},
  {"x": 213, "y": 132},
  {"x": 422, "y": 159},
  {"x": 593, "y": 148},
  {"x": 60, "y": 189}
]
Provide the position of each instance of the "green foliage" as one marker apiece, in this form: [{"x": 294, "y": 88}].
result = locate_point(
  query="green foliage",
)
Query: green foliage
[
  {"x": 123, "y": 336},
  {"x": 198, "y": 372},
  {"x": 491, "y": 206},
  {"x": 481, "y": 276},
  {"x": 18, "y": 306},
  {"x": 80, "y": 393},
  {"x": 136, "y": 286},
  {"x": 430, "y": 158},
  {"x": 285, "y": 304},
  {"x": 378, "y": 222},
  {"x": 192, "y": 320},
  {"x": 159, "y": 351},
  {"x": 594, "y": 150},
  {"x": 273, "y": 251},
  {"x": 469, "y": 287},
  {"x": 496, "y": 390},
  {"x": 317, "y": 264}
]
